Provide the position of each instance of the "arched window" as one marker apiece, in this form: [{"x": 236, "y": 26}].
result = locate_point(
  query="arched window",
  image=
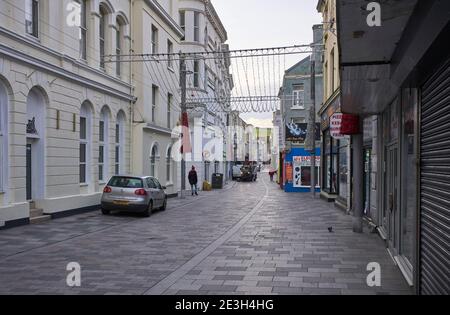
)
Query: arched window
[
  {"x": 3, "y": 136},
  {"x": 153, "y": 158},
  {"x": 119, "y": 140},
  {"x": 83, "y": 30},
  {"x": 102, "y": 35},
  {"x": 119, "y": 46},
  {"x": 103, "y": 150},
  {"x": 169, "y": 165},
  {"x": 85, "y": 143}
]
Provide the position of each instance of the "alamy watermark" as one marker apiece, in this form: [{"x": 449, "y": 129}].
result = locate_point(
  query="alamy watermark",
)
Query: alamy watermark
[
  {"x": 73, "y": 278},
  {"x": 374, "y": 17},
  {"x": 374, "y": 277}
]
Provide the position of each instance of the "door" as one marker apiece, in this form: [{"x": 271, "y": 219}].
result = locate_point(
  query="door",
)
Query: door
[
  {"x": 29, "y": 179},
  {"x": 391, "y": 202}
]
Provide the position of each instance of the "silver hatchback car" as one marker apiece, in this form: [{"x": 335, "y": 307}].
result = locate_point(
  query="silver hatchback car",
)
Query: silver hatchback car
[{"x": 133, "y": 194}]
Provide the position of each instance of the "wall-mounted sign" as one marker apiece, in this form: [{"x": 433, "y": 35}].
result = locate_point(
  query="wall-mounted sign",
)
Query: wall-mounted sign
[
  {"x": 350, "y": 124},
  {"x": 335, "y": 126},
  {"x": 296, "y": 132}
]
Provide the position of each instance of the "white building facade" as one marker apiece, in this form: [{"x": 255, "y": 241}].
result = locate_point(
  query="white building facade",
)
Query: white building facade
[
  {"x": 64, "y": 110},
  {"x": 157, "y": 90},
  {"x": 208, "y": 78}
]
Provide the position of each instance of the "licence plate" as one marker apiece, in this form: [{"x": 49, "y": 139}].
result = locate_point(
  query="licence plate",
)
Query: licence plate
[{"x": 121, "y": 203}]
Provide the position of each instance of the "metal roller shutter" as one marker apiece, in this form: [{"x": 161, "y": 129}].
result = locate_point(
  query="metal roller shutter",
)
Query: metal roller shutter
[{"x": 435, "y": 184}]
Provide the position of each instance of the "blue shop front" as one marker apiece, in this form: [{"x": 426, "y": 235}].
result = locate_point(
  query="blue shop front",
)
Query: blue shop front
[{"x": 297, "y": 169}]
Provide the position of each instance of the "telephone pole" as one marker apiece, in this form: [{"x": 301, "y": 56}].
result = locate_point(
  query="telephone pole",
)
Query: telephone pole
[{"x": 183, "y": 74}]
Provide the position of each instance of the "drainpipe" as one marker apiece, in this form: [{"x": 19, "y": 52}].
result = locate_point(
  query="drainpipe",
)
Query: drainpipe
[{"x": 358, "y": 178}]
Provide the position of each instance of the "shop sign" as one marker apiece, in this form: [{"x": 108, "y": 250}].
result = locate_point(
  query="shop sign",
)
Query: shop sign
[
  {"x": 305, "y": 160},
  {"x": 335, "y": 126},
  {"x": 289, "y": 174},
  {"x": 350, "y": 124}
]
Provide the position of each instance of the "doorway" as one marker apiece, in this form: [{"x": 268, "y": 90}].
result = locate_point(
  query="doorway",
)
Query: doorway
[
  {"x": 391, "y": 199},
  {"x": 29, "y": 172}
]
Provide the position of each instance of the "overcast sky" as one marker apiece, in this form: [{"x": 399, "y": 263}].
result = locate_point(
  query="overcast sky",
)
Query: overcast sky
[{"x": 268, "y": 23}]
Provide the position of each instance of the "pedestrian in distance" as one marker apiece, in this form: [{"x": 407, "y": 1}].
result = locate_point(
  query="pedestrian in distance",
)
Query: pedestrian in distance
[{"x": 193, "y": 180}]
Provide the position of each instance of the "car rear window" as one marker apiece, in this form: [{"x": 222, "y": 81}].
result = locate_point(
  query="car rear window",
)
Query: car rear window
[{"x": 126, "y": 182}]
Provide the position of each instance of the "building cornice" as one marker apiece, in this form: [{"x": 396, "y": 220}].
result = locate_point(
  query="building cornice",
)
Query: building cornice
[
  {"x": 68, "y": 75},
  {"x": 330, "y": 100},
  {"x": 214, "y": 18},
  {"x": 159, "y": 10}
]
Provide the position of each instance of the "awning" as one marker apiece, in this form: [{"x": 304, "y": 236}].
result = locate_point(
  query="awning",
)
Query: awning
[{"x": 366, "y": 53}]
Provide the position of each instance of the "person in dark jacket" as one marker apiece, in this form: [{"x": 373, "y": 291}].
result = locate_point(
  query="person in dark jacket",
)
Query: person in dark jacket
[{"x": 193, "y": 180}]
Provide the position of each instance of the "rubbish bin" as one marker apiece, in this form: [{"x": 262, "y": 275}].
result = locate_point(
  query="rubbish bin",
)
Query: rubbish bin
[{"x": 217, "y": 181}]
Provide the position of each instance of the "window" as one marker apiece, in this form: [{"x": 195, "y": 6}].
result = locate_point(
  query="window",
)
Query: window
[
  {"x": 169, "y": 165},
  {"x": 85, "y": 123},
  {"x": 103, "y": 154},
  {"x": 169, "y": 52},
  {"x": 183, "y": 23},
  {"x": 196, "y": 73},
  {"x": 298, "y": 96},
  {"x": 332, "y": 71},
  {"x": 169, "y": 109},
  {"x": 153, "y": 158},
  {"x": 101, "y": 150},
  {"x": 118, "y": 48},
  {"x": 119, "y": 138},
  {"x": 196, "y": 27},
  {"x": 32, "y": 17},
  {"x": 83, "y": 30},
  {"x": 154, "y": 102},
  {"x": 154, "y": 40},
  {"x": 102, "y": 36}
]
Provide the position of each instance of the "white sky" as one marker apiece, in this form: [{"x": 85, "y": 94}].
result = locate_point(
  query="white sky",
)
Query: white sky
[{"x": 268, "y": 23}]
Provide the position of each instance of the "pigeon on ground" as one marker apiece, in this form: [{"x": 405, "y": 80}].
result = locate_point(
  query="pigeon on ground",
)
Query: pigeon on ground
[{"x": 330, "y": 229}]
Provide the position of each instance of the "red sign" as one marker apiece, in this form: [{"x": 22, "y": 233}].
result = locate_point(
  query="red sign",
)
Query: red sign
[{"x": 350, "y": 124}]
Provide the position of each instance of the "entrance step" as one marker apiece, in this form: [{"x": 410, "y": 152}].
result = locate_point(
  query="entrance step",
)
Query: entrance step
[
  {"x": 36, "y": 213},
  {"x": 40, "y": 219}
]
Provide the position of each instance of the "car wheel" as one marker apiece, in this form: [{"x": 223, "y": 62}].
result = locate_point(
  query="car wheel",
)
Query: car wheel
[
  {"x": 164, "y": 206},
  {"x": 149, "y": 210},
  {"x": 105, "y": 212}
]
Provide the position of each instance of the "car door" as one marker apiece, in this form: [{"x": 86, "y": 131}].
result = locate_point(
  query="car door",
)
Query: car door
[
  {"x": 160, "y": 192},
  {"x": 153, "y": 191}
]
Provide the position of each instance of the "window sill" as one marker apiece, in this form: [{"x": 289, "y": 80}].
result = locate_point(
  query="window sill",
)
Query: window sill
[
  {"x": 298, "y": 107},
  {"x": 84, "y": 185}
]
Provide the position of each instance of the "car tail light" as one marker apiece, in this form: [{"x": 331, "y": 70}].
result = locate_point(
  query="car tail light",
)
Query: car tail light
[
  {"x": 140, "y": 192},
  {"x": 107, "y": 190}
]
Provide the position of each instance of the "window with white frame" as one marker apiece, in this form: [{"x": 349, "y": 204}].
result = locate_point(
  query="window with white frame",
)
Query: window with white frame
[
  {"x": 153, "y": 158},
  {"x": 169, "y": 56},
  {"x": 119, "y": 143},
  {"x": 169, "y": 110},
  {"x": 2, "y": 138},
  {"x": 85, "y": 143},
  {"x": 102, "y": 36},
  {"x": 32, "y": 17},
  {"x": 155, "y": 91},
  {"x": 196, "y": 26},
  {"x": 154, "y": 40},
  {"x": 298, "y": 96},
  {"x": 196, "y": 73},
  {"x": 118, "y": 48},
  {"x": 83, "y": 30},
  {"x": 103, "y": 154},
  {"x": 183, "y": 23},
  {"x": 169, "y": 165}
]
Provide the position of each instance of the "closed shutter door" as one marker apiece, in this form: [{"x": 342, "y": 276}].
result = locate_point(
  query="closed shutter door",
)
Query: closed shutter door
[{"x": 435, "y": 184}]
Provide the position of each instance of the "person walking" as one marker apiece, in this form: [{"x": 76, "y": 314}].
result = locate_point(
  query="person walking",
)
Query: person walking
[{"x": 193, "y": 180}]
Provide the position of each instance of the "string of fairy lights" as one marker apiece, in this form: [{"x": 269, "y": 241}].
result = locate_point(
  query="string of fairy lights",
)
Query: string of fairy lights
[{"x": 246, "y": 81}]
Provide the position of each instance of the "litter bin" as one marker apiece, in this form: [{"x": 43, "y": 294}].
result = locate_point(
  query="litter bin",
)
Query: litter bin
[{"x": 217, "y": 181}]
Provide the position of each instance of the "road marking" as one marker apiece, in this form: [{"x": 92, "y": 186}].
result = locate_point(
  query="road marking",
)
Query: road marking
[{"x": 166, "y": 283}]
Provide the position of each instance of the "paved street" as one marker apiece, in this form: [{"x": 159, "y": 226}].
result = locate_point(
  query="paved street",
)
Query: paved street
[{"x": 251, "y": 238}]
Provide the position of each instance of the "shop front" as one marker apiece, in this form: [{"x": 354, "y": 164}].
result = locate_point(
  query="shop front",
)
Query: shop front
[
  {"x": 297, "y": 166},
  {"x": 335, "y": 177}
]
